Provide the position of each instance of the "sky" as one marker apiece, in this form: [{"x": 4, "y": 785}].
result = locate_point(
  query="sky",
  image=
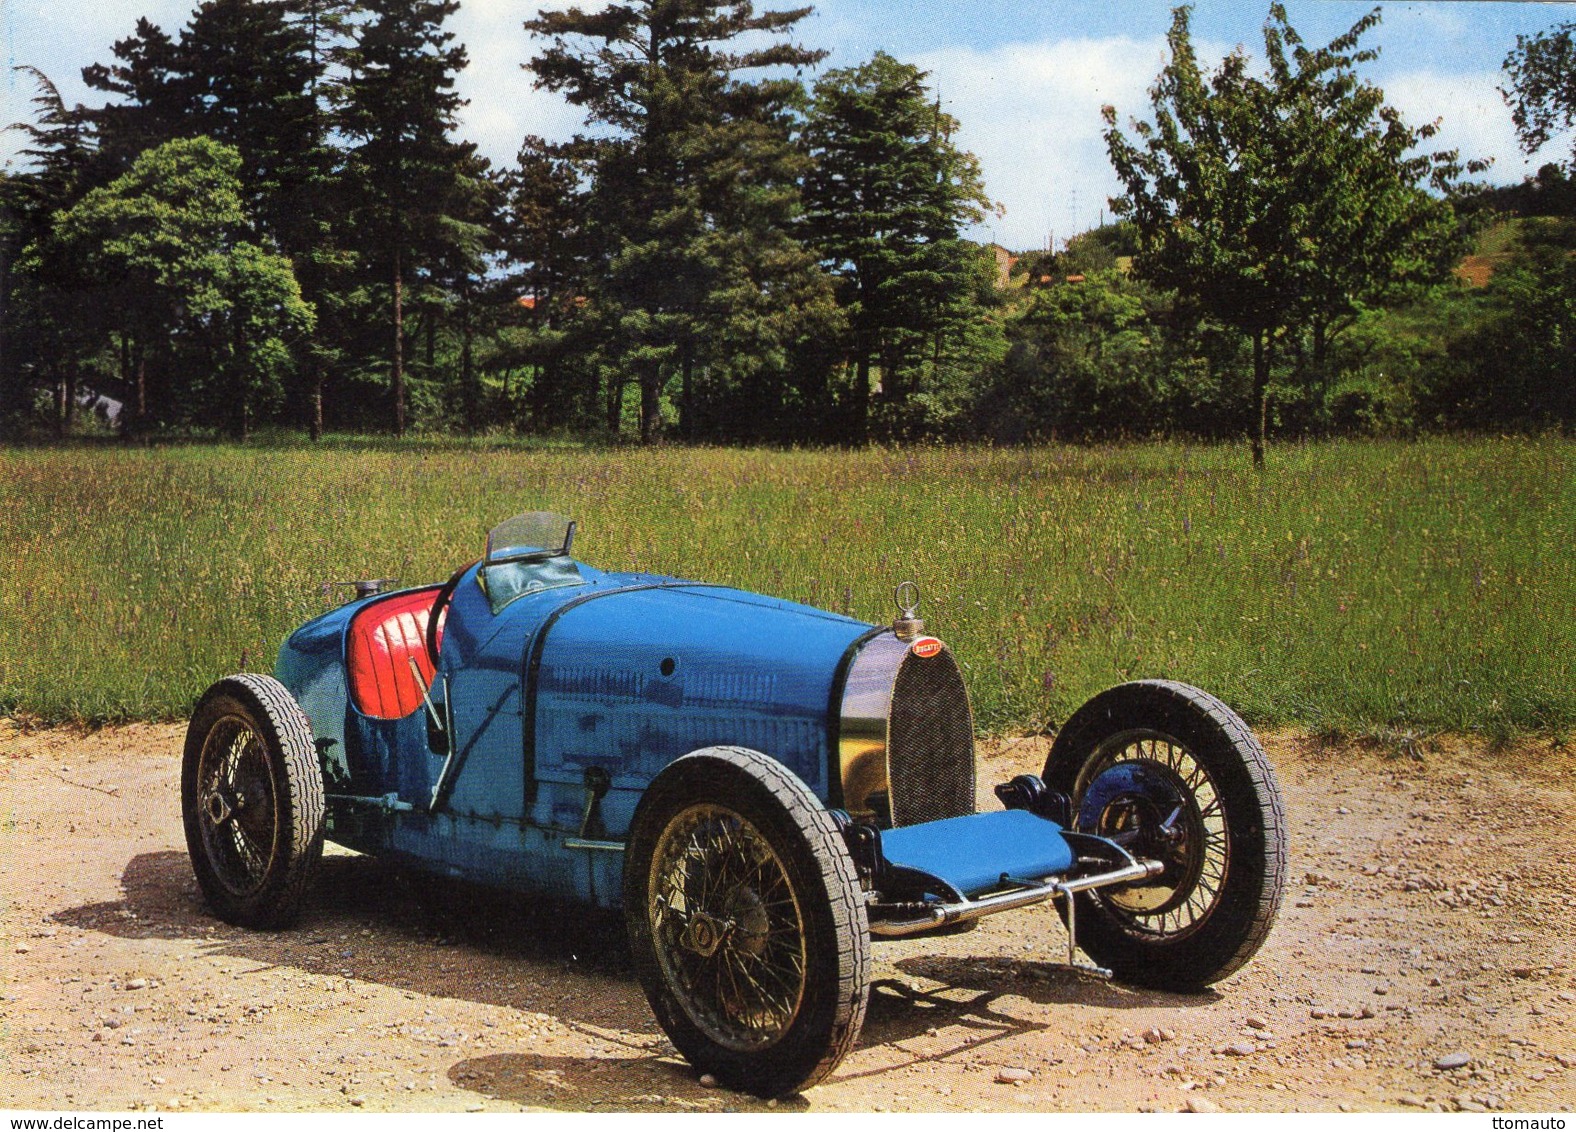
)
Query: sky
[{"x": 1026, "y": 79}]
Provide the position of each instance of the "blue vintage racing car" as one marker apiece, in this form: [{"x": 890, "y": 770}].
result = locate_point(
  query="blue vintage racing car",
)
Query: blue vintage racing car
[{"x": 761, "y": 786}]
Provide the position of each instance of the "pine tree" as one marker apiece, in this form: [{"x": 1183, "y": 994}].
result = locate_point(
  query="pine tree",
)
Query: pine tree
[
  {"x": 885, "y": 202},
  {"x": 543, "y": 234},
  {"x": 410, "y": 179},
  {"x": 323, "y": 264},
  {"x": 694, "y": 190},
  {"x": 41, "y": 323},
  {"x": 155, "y": 98},
  {"x": 249, "y": 76}
]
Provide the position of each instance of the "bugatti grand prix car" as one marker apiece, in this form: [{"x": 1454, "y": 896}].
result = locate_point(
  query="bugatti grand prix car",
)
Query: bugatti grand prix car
[{"x": 761, "y": 787}]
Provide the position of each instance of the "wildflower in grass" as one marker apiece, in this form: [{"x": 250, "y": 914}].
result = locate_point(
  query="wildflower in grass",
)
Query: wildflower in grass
[{"x": 206, "y": 522}]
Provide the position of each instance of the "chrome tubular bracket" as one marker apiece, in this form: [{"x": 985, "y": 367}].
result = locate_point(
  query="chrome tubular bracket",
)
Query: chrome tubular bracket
[
  {"x": 940, "y": 914},
  {"x": 1066, "y": 895},
  {"x": 445, "y": 727}
]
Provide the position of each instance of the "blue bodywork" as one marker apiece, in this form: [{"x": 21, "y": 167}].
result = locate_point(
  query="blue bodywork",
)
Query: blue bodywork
[
  {"x": 614, "y": 673},
  {"x": 980, "y": 852},
  {"x": 784, "y": 783}
]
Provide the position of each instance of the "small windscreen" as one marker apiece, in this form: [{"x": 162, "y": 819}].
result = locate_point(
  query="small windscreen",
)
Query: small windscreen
[{"x": 535, "y": 535}]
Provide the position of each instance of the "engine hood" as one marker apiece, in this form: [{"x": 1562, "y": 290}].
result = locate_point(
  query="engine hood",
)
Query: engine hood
[{"x": 637, "y": 671}]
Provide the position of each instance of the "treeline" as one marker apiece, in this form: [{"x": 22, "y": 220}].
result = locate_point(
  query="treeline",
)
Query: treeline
[
  {"x": 1112, "y": 355},
  {"x": 270, "y": 221}
]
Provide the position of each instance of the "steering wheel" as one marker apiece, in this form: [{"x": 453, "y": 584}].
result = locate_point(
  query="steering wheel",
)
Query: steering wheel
[{"x": 445, "y": 594}]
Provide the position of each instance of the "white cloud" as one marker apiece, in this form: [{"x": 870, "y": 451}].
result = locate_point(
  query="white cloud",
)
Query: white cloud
[
  {"x": 1031, "y": 113},
  {"x": 504, "y": 104},
  {"x": 1449, "y": 28},
  {"x": 1473, "y": 119}
]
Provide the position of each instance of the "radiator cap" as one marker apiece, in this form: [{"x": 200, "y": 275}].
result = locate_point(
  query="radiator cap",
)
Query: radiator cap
[{"x": 907, "y": 625}]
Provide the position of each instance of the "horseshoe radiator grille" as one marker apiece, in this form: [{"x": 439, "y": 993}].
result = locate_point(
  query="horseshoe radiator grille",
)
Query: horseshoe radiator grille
[{"x": 930, "y": 742}]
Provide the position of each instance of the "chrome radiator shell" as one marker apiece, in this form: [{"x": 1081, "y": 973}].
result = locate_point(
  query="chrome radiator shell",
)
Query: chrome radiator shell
[{"x": 905, "y": 735}]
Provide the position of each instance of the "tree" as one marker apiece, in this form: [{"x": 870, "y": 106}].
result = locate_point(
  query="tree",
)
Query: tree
[
  {"x": 884, "y": 204},
  {"x": 60, "y": 145},
  {"x": 1551, "y": 191},
  {"x": 254, "y": 73},
  {"x": 249, "y": 74},
  {"x": 1542, "y": 94},
  {"x": 201, "y": 314},
  {"x": 40, "y": 324},
  {"x": 694, "y": 187},
  {"x": 155, "y": 99},
  {"x": 1521, "y": 353},
  {"x": 324, "y": 263},
  {"x": 1085, "y": 361},
  {"x": 241, "y": 72},
  {"x": 543, "y": 233},
  {"x": 1282, "y": 201},
  {"x": 412, "y": 183}
]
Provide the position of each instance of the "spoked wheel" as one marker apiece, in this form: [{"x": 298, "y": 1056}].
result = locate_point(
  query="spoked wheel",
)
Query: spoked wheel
[
  {"x": 729, "y": 932},
  {"x": 746, "y": 921},
  {"x": 1173, "y": 775},
  {"x": 252, "y": 801}
]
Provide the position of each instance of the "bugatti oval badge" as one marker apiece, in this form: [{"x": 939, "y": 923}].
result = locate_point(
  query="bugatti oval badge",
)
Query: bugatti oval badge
[{"x": 925, "y": 647}]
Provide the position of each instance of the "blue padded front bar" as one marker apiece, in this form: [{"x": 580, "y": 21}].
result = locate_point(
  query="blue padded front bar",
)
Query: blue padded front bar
[{"x": 972, "y": 853}]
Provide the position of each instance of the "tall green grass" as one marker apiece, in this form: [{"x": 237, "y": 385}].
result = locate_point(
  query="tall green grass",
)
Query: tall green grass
[{"x": 1353, "y": 585}]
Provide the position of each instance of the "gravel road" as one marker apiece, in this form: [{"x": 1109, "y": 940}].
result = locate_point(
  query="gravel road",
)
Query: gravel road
[{"x": 1423, "y": 960}]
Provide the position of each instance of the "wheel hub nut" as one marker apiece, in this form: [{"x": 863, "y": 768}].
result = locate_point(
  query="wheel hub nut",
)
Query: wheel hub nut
[{"x": 704, "y": 935}]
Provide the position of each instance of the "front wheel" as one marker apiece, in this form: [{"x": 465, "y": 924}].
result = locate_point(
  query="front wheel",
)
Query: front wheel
[
  {"x": 252, "y": 801},
  {"x": 1174, "y": 775},
  {"x": 746, "y": 921}
]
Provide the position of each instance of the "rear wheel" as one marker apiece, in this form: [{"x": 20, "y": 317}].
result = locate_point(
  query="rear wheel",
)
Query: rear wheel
[
  {"x": 1174, "y": 775},
  {"x": 252, "y": 801},
  {"x": 746, "y": 921}
]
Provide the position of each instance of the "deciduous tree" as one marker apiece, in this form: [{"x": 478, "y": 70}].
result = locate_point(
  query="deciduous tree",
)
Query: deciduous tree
[
  {"x": 1283, "y": 200},
  {"x": 202, "y": 316},
  {"x": 1542, "y": 94}
]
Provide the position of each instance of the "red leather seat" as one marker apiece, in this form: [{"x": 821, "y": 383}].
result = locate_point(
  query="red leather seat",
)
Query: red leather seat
[{"x": 382, "y": 639}]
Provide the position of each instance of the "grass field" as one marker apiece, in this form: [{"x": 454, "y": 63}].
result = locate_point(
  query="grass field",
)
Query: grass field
[{"x": 1355, "y": 585}]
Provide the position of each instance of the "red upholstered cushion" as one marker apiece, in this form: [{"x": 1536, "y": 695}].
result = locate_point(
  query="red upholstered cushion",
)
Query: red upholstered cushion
[{"x": 383, "y": 638}]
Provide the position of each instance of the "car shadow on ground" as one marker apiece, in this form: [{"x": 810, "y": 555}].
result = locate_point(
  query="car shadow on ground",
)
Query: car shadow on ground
[
  {"x": 938, "y": 1023},
  {"x": 649, "y": 1083},
  {"x": 367, "y": 920},
  {"x": 974, "y": 1005},
  {"x": 1048, "y": 984},
  {"x": 370, "y": 921}
]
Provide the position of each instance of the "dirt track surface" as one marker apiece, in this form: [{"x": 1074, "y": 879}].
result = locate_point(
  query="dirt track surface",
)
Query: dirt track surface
[{"x": 1430, "y": 923}]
